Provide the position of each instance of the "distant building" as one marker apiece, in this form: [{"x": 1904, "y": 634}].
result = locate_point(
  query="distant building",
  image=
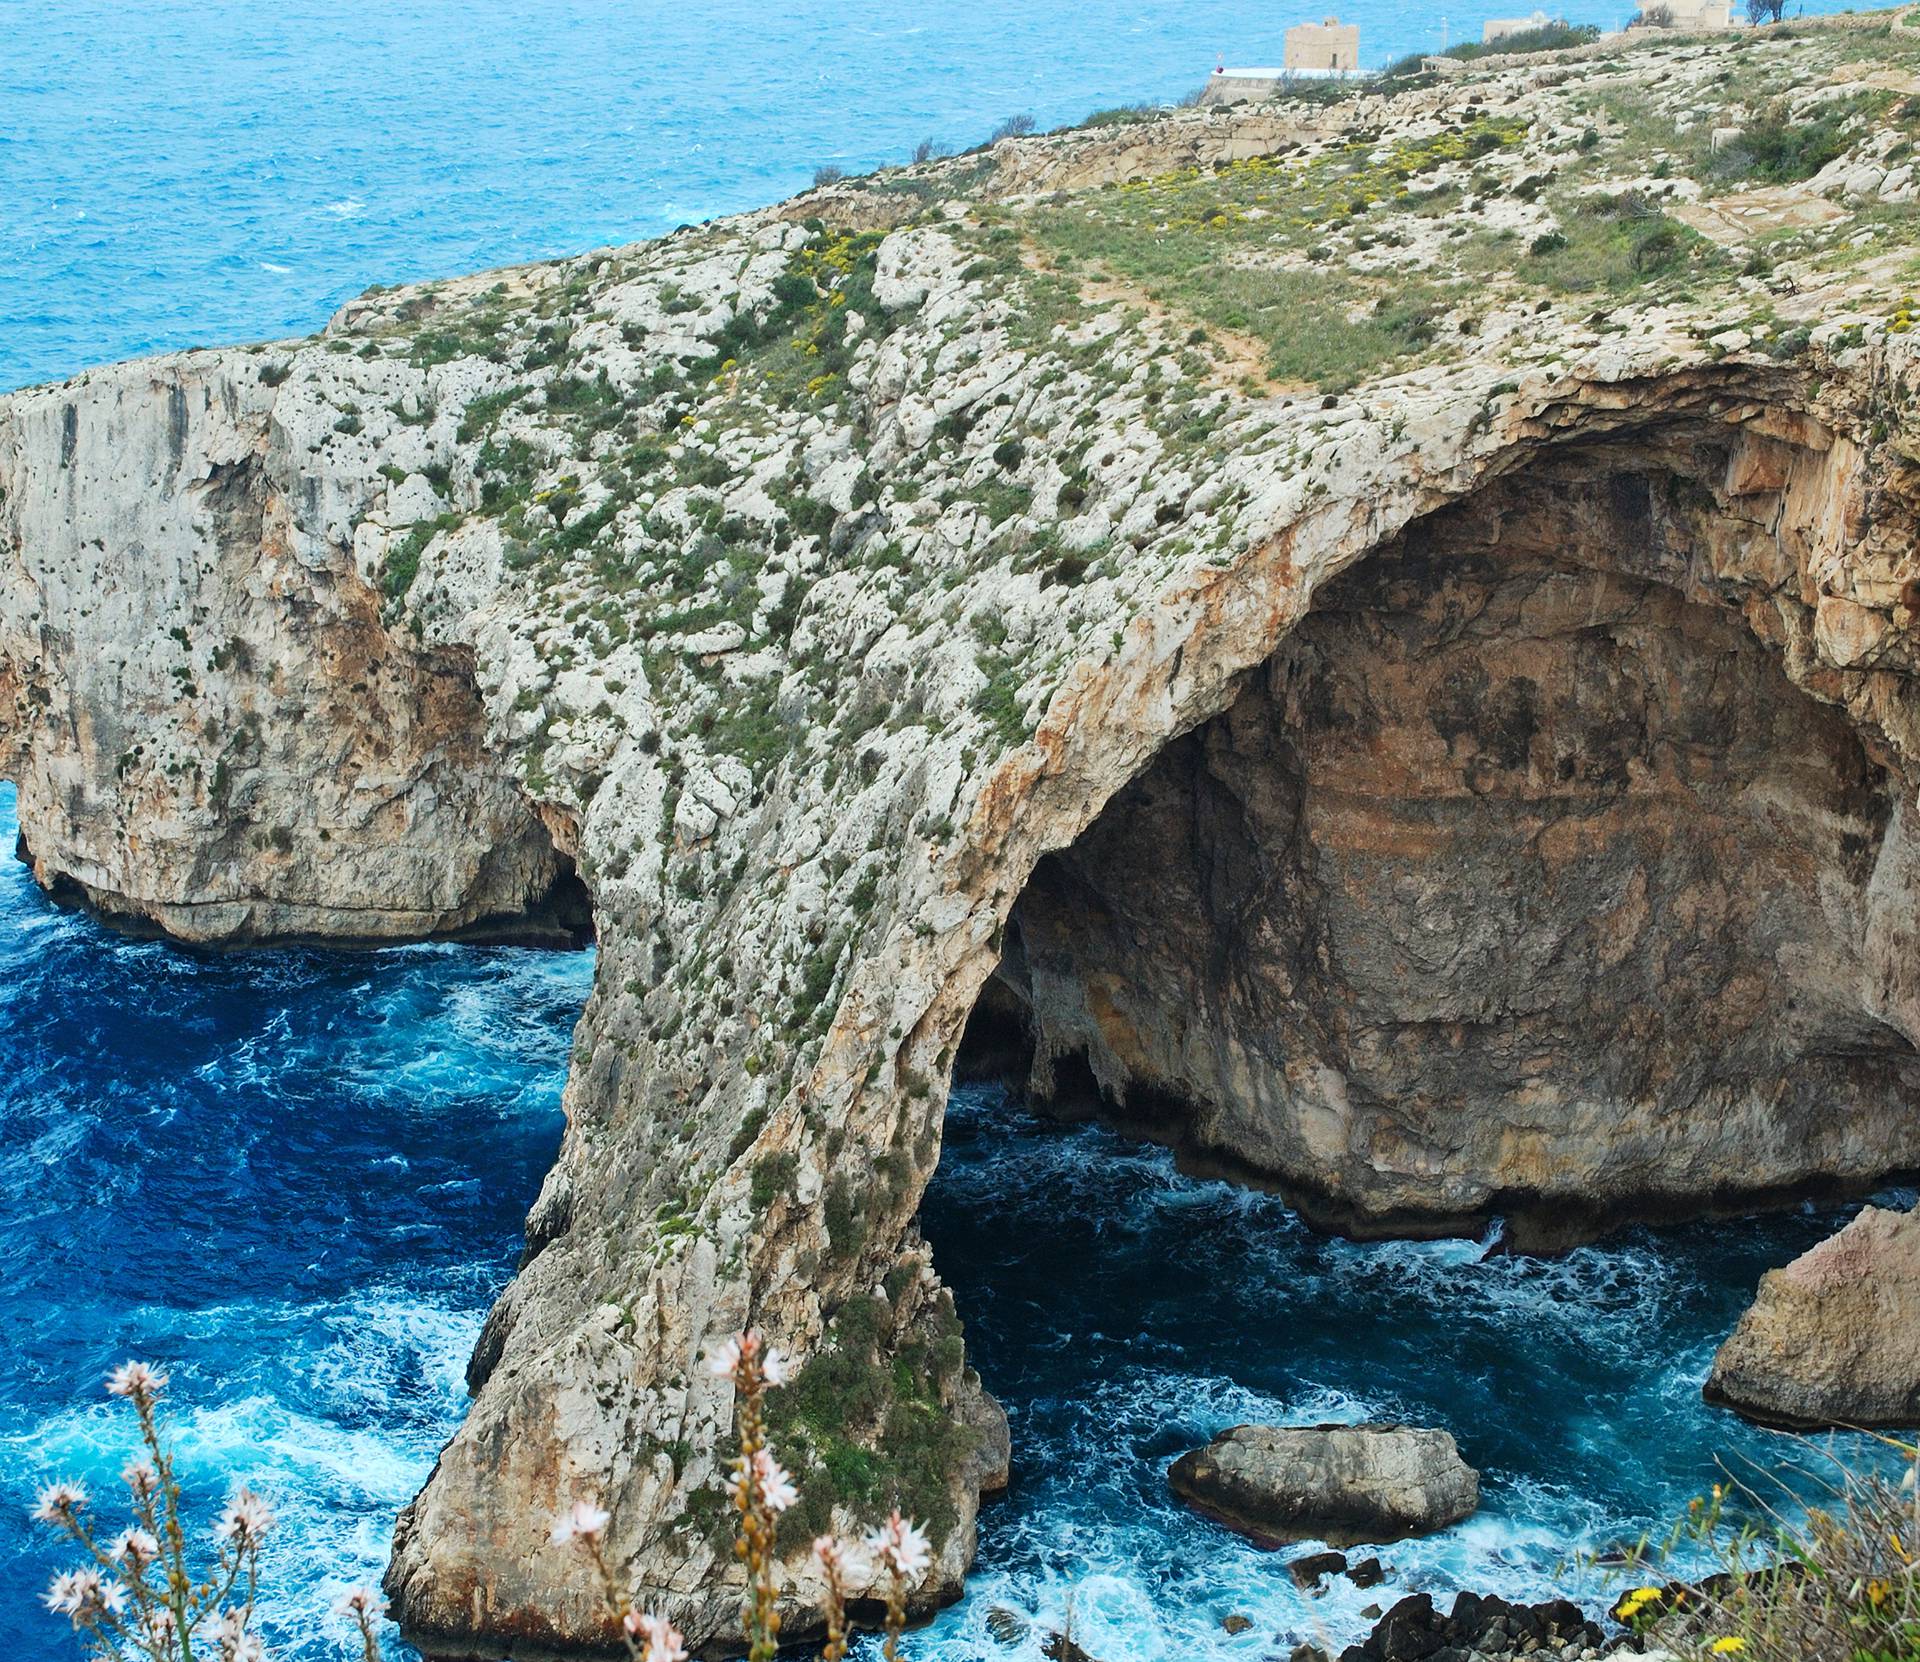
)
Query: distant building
[
  {"x": 1326, "y": 47},
  {"x": 1498, "y": 28},
  {"x": 1688, "y": 16}
]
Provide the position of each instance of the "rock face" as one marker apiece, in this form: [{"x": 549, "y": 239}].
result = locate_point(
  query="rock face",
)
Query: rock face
[
  {"x": 1513, "y": 680},
  {"x": 1344, "y": 1484},
  {"x": 1475, "y": 899},
  {"x": 1834, "y": 1338},
  {"x": 213, "y": 732}
]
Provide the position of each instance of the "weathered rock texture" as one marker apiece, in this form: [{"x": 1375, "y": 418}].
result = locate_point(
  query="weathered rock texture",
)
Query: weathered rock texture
[
  {"x": 1526, "y": 635},
  {"x": 1521, "y": 879},
  {"x": 1343, "y": 1484},
  {"x": 212, "y": 731},
  {"x": 1834, "y": 1338}
]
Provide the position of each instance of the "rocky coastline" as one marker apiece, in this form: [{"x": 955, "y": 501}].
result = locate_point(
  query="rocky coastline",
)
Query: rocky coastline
[{"x": 1438, "y": 737}]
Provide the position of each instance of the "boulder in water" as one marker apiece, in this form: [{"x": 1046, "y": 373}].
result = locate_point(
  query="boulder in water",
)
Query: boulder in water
[
  {"x": 1314, "y": 1568},
  {"x": 1834, "y": 1338},
  {"x": 1343, "y": 1484},
  {"x": 1489, "y": 1627},
  {"x": 1369, "y": 1572}
]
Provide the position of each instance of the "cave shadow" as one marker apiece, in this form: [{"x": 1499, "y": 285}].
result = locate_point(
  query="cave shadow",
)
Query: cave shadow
[{"x": 1522, "y": 882}]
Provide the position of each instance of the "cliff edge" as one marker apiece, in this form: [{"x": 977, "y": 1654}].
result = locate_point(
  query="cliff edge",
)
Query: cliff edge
[{"x": 1371, "y": 641}]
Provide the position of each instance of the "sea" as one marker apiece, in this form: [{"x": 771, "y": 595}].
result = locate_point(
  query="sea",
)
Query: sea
[{"x": 296, "y": 1178}]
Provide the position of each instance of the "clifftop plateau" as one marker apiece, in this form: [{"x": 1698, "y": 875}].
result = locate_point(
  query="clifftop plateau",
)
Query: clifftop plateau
[{"x": 1370, "y": 640}]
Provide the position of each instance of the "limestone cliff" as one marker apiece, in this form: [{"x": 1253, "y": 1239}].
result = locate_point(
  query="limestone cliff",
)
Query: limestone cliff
[{"x": 1386, "y": 629}]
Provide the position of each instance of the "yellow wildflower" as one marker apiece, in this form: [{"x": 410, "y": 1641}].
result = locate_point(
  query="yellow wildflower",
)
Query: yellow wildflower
[
  {"x": 1878, "y": 1592},
  {"x": 1731, "y": 1645}
]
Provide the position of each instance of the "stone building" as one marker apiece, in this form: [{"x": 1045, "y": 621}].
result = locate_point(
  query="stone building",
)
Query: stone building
[
  {"x": 1689, "y": 16},
  {"x": 1499, "y": 28},
  {"x": 1327, "y": 46}
]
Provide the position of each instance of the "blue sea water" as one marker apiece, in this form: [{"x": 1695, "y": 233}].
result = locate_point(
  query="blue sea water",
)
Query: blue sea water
[
  {"x": 294, "y": 1178},
  {"x": 1125, "y": 1313},
  {"x": 297, "y": 1178},
  {"x": 176, "y": 175}
]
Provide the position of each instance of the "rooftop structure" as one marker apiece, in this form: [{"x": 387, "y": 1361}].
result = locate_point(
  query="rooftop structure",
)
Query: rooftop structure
[
  {"x": 1499, "y": 28},
  {"x": 1329, "y": 45}
]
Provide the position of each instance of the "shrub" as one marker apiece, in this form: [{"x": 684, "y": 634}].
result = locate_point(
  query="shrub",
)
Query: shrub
[
  {"x": 1549, "y": 37},
  {"x": 1657, "y": 248},
  {"x": 828, "y": 175},
  {"x": 1121, "y": 115},
  {"x": 1780, "y": 150},
  {"x": 1843, "y": 1584},
  {"x": 1015, "y": 126}
]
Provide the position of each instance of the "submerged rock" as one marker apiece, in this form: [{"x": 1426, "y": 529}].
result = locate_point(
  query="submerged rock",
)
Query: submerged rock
[
  {"x": 1009, "y": 1627},
  {"x": 1339, "y": 1483},
  {"x": 1834, "y": 1338}
]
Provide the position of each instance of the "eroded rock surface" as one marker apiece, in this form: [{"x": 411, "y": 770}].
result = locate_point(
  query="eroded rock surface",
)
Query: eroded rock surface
[
  {"x": 1834, "y": 1337},
  {"x": 1344, "y": 1484},
  {"x": 1521, "y": 880},
  {"x": 213, "y": 732},
  {"x": 805, "y": 579}
]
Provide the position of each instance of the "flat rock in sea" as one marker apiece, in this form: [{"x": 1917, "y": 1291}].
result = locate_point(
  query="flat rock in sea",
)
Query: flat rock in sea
[
  {"x": 1343, "y": 1484},
  {"x": 1834, "y": 1338}
]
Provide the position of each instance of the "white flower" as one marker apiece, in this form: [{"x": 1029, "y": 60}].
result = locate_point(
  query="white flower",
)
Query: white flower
[
  {"x": 139, "y": 1380},
  {"x": 140, "y": 1477},
  {"x": 245, "y": 1521},
  {"x": 85, "y": 1595},
  {"x": 59, "y": 1501},
  {"x": 773, "y": 1366},
  {"x": 63, "y": 1595},
  {"x": 236, "y": 1644},
  {"x": 776, "y": 1488},
  {"x": 157, "y": 1628},
  {"x": 134, "y": 1546},
  {"x": 660, "y": 1637},
  {"x": 901, "y": 1547},
  {"x": 582, "y": 1521},
  {"x": 770, "y": 1478},
  {"x": 844, "y": 1561},
  {"x": 725, "y": 1360},
  {"x": 357, "y": 1602}
]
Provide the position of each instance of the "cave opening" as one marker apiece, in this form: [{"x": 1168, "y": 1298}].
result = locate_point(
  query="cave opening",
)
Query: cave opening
[{"x": 1521, "y": 882}]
